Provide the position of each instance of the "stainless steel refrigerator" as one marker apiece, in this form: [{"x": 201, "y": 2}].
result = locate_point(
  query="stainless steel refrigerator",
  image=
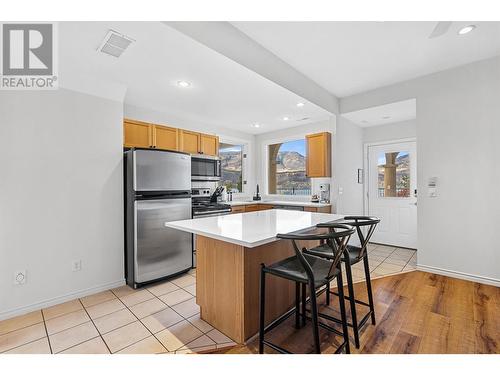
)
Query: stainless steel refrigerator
[{"x": 158, "y": 189}]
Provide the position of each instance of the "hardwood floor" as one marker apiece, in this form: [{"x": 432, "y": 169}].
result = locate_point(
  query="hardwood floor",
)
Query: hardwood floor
[{"x": 417, "y": 312}]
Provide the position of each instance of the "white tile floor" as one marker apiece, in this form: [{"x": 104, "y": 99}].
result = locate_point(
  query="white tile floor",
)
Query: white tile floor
[{"x": 162, "y": 318}]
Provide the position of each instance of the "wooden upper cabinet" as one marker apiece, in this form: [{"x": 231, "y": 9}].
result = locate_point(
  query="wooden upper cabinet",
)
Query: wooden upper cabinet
[
  {"x": 189, "y": 141},
  {"x": 165, "y": 138},
  {"x": 209, "y": 144},
  {"x": 319, "y": 155},
  {"x": 137, "y": 134}
]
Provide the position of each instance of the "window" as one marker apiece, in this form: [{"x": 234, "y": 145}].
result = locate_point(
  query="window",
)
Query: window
[
  {"x": 232, "y": 166},
  {"x": 287, "y": 169},
  {"x": 394, "y": 174}
]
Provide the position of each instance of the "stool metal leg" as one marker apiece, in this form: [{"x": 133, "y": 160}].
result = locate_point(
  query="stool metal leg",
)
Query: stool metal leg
[
  {"x": 352, "y": 301},
  {"x": 345, "y": 331},
  {"x": 262, "y": 308},
  {"x": 314, "y": 318},
  {"x": 304, "y": 304},
  {"x": 297, "y": 305},
  {"x": 328, "y": 293},
  {"x": 369, "y": 288}
]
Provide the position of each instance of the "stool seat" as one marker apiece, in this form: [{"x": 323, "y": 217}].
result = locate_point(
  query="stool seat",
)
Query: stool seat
[
  {"x": 291, "y": 268},
  {"x": 325, "y": 251}
]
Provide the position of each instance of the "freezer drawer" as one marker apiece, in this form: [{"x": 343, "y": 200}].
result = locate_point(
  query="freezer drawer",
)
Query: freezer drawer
[
  {"x": 161, "y": 171},
  {"x": 160, "y": 251}
]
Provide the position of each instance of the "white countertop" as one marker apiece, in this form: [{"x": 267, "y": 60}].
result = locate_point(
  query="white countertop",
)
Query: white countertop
[
  {"x": 252, "y": 229},
  {"x": 283, "y": 203}
]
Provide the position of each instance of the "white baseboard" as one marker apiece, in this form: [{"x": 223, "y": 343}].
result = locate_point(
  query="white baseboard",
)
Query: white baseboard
[
  {"x": 459, "y": 275},
  {"x": 57, "y": 300}
]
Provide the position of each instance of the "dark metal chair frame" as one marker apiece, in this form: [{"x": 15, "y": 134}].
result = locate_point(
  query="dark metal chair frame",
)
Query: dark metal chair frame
[
  {"x": 362, "y": 254},
  {"x": 337, "y": 240}
]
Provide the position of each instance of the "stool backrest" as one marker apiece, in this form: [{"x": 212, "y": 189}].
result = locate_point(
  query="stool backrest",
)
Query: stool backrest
[
  {"x": 363, "y": 221},
  {"x": 336, "y": 240}
]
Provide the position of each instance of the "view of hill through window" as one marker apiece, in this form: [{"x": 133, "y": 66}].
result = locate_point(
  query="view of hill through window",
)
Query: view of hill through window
[
  {"x": 232, "y": 165},
  {"x": 287, "y": 168}
]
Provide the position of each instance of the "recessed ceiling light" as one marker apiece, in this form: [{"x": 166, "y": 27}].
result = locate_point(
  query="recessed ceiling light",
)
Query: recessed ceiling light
[
  {"x": 286, "y": 118},
  {"x": 183, "y": 84},
  {"x": 300, "y": 104},
  {"x": 256, "y": 125},
  {"x": 466, "y": 29}
]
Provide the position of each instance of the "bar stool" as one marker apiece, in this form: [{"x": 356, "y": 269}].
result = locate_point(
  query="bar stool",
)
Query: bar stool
[
  {"x": 352, "y": 255},
  {"x": 311, "y": 271}
]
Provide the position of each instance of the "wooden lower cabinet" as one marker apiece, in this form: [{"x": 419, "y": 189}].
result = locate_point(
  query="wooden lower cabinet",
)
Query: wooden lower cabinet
[
  {"x": 324, "y": 210},
  {"x": 263, "y": 206},
  {"x": 252, "y": 207},
  {"x": 237, "y": 209}
]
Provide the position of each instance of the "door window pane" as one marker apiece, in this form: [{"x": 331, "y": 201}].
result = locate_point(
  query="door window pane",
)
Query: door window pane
[
  {"x": 394, "y": 174},
  {"x": 287, "y": 168},
  {"x": 232, "y": 166}
]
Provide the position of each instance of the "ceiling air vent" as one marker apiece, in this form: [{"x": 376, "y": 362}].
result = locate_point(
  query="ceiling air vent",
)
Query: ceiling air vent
[
  {"x": 303, "y": 119},
  {"x": 115, "y": 43}
]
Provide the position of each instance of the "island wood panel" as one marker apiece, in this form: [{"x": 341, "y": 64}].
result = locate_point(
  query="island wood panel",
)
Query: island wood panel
[
  {"x": 252, "y": 207},
  {"x": 227, "y": 285},
  {"x": 237, "y": 209}
]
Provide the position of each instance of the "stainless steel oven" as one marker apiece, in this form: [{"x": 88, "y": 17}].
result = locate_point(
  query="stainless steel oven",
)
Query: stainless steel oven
[{"x": 205, "y": 168}]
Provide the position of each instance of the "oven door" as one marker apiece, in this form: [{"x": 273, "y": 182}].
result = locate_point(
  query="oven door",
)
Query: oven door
[{"x": 205, "y": 168}]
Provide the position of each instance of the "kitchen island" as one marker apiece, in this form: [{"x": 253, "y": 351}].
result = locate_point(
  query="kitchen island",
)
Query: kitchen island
[{"x": 230, "y": 250}]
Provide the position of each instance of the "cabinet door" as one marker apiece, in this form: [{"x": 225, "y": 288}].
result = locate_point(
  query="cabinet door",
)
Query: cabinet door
[
  {"x": 263, "y": 207},
  {"x": 137, "y": 134},
  {"x": 251, "y": 207},
  {"x": 319, "y": 155},
  {"x": 189, "y": 141},
  {"x": 165, "y": 138},
  {"x": 209, "y": 144},
  {"x": 237, "y": 209}
]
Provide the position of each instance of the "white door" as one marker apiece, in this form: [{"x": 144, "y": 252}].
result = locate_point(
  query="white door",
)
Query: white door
[{"x": 392, "y": 184}]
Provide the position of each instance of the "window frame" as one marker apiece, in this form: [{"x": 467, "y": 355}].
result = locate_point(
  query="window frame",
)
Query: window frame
[
  {"x": 265, "y": 165},
  {"x": 244, "y": 161}
]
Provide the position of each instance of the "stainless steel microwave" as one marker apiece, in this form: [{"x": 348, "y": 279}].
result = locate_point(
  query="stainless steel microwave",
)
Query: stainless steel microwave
[{"x": 205, "y": 168}]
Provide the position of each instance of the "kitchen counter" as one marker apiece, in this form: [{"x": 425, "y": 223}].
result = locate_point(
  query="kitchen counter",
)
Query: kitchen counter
[
  {"x": 229, "y": 252},
  {"x": 281, "y": 203},
  {"x": 252, "y": 229}
]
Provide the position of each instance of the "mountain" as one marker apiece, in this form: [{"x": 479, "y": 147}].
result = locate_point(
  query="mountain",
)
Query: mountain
[
  {"x": 231, "y": 160},
  {"x": 289, "y": 161}
]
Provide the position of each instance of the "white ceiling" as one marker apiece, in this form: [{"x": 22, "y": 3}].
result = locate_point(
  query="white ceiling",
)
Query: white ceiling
[
  {"x": 352, "y": 57},
  {"x": 223, "y": 93},
  {"x": 384, "y": 114}
]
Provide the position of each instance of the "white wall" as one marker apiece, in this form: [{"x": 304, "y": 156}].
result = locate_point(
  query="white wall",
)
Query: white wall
[
  {"x": 61, "y": 197},
  {"x": 458, "y": 117},
  {"x": 389, "y": 132},
  {"x": 348, "y": 154}
]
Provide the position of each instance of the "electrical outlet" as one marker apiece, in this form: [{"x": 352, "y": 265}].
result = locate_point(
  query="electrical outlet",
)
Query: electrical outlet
[
  {"x": 77, "y": 265},
  {"x": 20, "y": 277}
]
